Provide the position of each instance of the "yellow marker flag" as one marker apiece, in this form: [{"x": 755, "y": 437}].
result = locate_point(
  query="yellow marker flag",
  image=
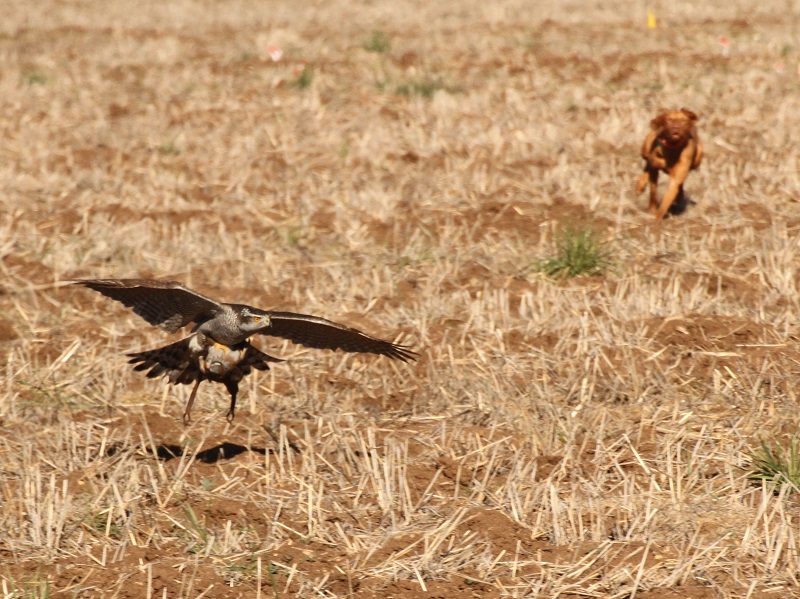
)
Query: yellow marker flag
[{"x": 651, "y": 20}]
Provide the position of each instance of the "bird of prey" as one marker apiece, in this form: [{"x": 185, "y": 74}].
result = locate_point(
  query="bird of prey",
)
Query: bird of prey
[{"x": 218, "y": 349}]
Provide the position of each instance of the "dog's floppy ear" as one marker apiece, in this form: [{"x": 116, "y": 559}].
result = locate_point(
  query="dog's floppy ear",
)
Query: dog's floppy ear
[
  {"x": 692, "y": 116},
  {"x": 659, "y": 122}
]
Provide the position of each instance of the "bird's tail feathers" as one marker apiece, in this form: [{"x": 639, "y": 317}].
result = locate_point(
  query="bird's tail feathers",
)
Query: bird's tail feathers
[{"x": 173, "y": 360}]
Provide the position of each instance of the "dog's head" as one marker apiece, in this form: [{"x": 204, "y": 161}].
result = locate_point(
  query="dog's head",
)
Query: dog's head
[{"x": 675, "y": 127}]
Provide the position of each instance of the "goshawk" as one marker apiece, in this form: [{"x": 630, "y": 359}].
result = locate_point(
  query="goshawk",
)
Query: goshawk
[{"x": 218, "y": 349}]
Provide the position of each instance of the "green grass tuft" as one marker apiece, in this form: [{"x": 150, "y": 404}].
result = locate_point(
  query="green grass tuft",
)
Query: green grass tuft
[
  {"x": 305, "y": 78},
  {"x": 777, "y": 465},
  {"x": 579, "y": 252},
  {"x": 425, "y": 87},
  {"x": 34, "y": 78},
  {"x": 378, "y": 42},
  {"x": 169, "y": 148}
]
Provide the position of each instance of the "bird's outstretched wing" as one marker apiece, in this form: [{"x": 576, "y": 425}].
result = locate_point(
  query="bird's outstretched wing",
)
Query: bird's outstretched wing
[
  {"x": 165, "y": 304},
  {"x": 313, "y": 331}
]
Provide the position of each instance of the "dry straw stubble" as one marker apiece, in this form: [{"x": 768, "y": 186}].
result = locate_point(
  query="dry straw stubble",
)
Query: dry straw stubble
[{"x": 586, "y": 437}]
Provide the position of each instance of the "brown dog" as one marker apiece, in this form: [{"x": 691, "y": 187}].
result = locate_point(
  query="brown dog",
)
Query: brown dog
[{"x": 674, "y": 147}]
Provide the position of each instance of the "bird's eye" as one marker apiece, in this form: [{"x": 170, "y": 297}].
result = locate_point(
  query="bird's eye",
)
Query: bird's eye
[{"x": 256, "y": 319}]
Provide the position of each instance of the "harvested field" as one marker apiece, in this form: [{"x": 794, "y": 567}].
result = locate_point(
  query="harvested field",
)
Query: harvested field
[{"x": 402, "y": 168}]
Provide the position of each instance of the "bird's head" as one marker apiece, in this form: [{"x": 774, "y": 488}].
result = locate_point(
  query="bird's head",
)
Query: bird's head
[{"x": 252, "y": 320}]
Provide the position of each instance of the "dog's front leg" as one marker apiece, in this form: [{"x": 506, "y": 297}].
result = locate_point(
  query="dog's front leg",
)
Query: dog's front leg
[
  {"x": 652, "y": 175},
  {"x": 675, "y": 189}
]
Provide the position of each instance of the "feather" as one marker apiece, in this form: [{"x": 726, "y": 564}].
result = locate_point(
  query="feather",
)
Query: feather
[
  {"x": 165, "y": 304},
  {"x": 320, "y": 333}
]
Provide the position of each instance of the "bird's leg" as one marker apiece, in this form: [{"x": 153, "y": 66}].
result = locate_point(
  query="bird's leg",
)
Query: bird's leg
[
  {"x": 187, "y": 412},
  {"x": 233, "y": 389}
]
